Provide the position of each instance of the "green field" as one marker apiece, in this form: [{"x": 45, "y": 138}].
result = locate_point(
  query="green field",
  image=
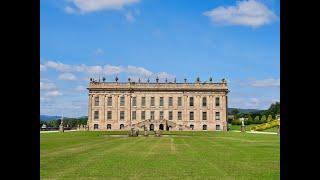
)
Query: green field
[{"x": 178, "y": 155}]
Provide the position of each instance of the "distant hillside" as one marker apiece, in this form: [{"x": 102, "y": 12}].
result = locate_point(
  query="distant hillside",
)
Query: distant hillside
[
  {"x": 245, "y": 110},
  {"x": 48, "y": 118}
]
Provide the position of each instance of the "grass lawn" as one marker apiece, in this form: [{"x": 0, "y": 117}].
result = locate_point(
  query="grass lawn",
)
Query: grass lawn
[
  {"x": 181, "y": 155},
  {"x": 248, "y": 127},
  {"x": 238, "y": 127},
  {"x": 274, "y": 129}
]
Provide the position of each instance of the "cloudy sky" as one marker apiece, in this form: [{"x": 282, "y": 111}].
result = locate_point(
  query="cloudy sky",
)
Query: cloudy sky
[{"x": 236, "y": 40}]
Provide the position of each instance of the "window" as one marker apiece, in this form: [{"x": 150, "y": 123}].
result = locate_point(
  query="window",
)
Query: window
[
  {"x": 109, "y": 115},
  {"x": 122, "y": 101},
  {"x": 204, "y": 101},
  {"x": 121, "y": 126},
  {"x": 152, "y": 101},
  {"x": 96, "y": 101},
  {"x": 109, "y": 103},
  {"x": 108, "y": 126},
  {"x": 204, "y": 115},
  {"x": 191, "y": 116},
  {"x": 179, "y": 101},
  {"x": 143, "y": 101},
  {"x": 96, "y": 126},
  {"x": 170, "y": 115},
  {"x": 218, "y": 127},
  {"x": 134, "y": 101},
  {"x": 96, "y": 115},
  {"x": 204, "y": 127},
  {"x": 191, "y": 126},
  {"x": 217, "y": 115},
  {"x": 170, "y": 101},
  {"x": 143, "y": 115},
  {"x": 161, "y": 101},
  {"x": 191, "y": 101},
  {"x": 179, "y": 115},
  {"x": 121, "y": 115},
  {"x": 152, "y": 115},
  {"x": 217, "y": 101},
  {"x": 134, "y": 115},
  {"x": 161, "y": 115}
]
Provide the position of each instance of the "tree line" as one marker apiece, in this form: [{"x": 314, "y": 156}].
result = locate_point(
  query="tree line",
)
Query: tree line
[
  {"x": 258, "y": 117},
  {"x": 71, "y": 122}
]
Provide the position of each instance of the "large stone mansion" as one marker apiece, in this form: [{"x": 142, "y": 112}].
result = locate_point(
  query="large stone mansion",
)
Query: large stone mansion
[{"x": 167, "y": 106}]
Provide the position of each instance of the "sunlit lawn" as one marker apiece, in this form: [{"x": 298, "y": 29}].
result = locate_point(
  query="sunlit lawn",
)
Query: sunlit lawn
[{"x": 181, "y": 155}]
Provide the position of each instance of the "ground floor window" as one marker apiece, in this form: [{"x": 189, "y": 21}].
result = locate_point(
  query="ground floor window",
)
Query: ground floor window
[
  {"x": 121, "y": 126},
  {"x": 192, "y": 126},
  {"x": 108, "y": 126},
  {"x": 204, "y": 127},
  {"x": 96, "y": 126},
  {"x": 217, "y": 127}
]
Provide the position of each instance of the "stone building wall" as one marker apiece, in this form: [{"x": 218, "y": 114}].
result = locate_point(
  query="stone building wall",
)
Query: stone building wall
[{"x": 104, "y": 90}]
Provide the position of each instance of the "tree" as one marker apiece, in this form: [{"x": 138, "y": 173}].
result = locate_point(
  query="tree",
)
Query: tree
[
  {"x": 269, "y": 118},
  {"x": 256, "y": 120},
  {"x": 250, "y": 119},
  {"x": 274, "y": 108},
  {"x": 235, "y": 113},
  {"x": 263, "y": 119}
]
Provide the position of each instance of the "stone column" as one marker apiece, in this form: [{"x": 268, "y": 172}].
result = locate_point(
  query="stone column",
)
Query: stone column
[
  {"x": 185, "y": 112},
  {"x": 197, "y": 112},
  {"x": 226, "y": 111},
  {"x": 103, "y": 109},
  {"x": 89, "y": 110},
  {"x": 116, "y": 104},
  {"x": 211, "y": 123}
]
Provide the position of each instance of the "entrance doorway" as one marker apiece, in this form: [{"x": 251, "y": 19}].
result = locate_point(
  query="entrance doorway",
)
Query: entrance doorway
[
  {"x": 161, "y": 126},
  {"x": 151, "y": 127}
]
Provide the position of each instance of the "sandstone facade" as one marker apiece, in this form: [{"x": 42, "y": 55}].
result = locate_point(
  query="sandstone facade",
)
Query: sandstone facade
[{"x": 168, "y": 106}]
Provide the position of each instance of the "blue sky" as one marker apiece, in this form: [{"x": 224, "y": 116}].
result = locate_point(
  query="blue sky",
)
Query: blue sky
[{"x": 236, "y": 40}]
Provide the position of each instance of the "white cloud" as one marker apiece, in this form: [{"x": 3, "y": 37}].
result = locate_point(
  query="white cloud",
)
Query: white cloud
[
  {"x": 138, "y": 71},
  {"x": 247, "y": 13},
  {"x": 69, "y": 10},
  {"x": 252, "y": 103},
  {"x": 81, "y": 88},
  {"x": 57, "y": 66},
  {"x": 105, "y": 70},
  {"x": 47, "y": 86},
  {"x": 87, "y": 6},
  {"x": 44, "y": 99},
  {"x": 266, "y": 83},
  {"x": 42, "y": 67},
  {"x": 98, "y": 51},
  {"x": 53, "y": 93},
  {"x": 111, "y": 70},
  {"x": 67, "y": 77},
  {"x": 164, "y": 75},
  {"x": 129, "y": 17}
]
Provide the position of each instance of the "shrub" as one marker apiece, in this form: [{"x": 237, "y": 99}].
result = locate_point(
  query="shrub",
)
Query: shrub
[
  {"x": 269, "y": 118},
  {"x": 267, "y": 125}
]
